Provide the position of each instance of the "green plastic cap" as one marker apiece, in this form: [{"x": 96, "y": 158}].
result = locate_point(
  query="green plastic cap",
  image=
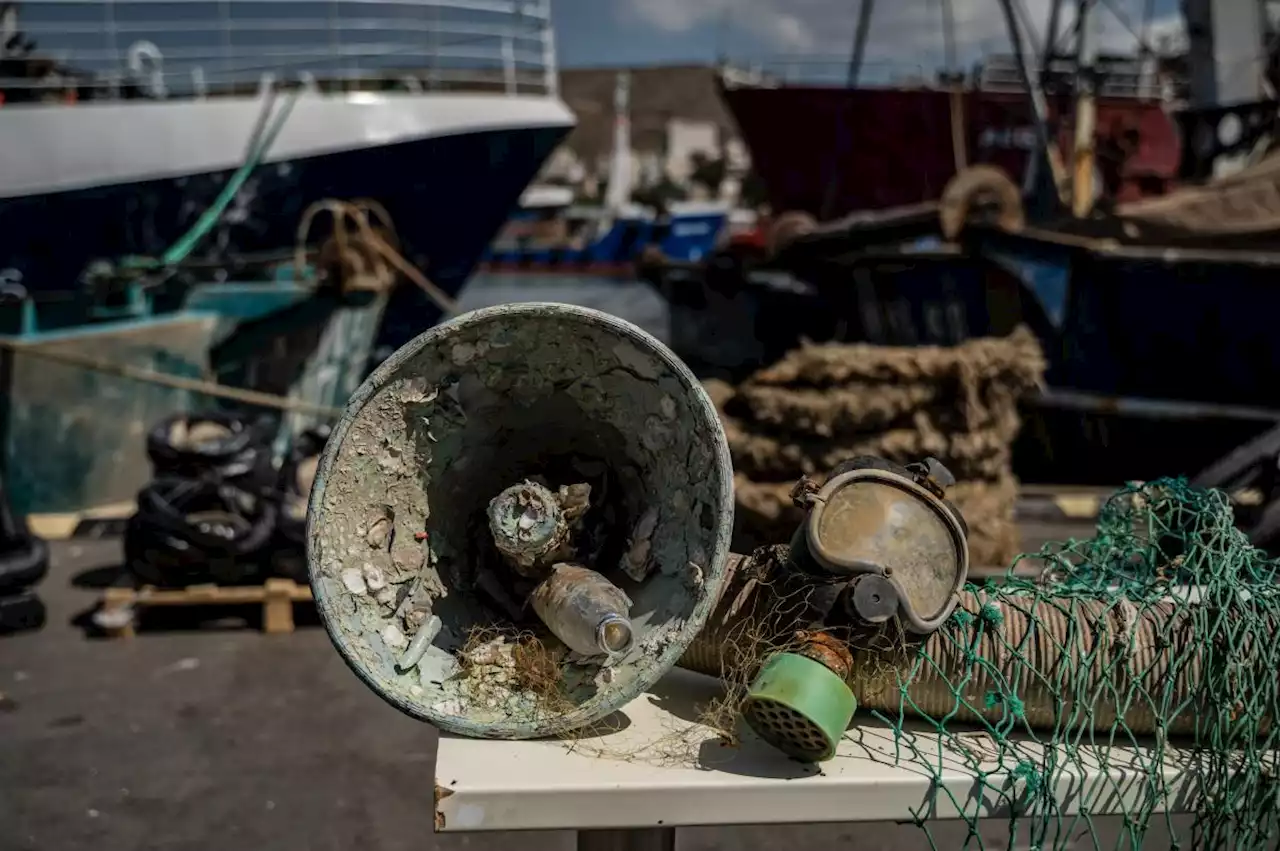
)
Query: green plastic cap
[{"x": 799, "y": 706}]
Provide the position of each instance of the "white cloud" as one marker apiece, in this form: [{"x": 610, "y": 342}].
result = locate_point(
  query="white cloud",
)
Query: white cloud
[
  {"x": 792, "y": 32},
  {"x": 907, "y": 31},
  {"x": 781, "y": 24},
  {"x": 676, "y": 15}
]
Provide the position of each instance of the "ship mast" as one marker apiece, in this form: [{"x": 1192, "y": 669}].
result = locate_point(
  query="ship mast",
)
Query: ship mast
[
  {"x": 1050, "y": 49},
  {"x": 1039, "y": 107},
  {"x": 1226, "y": 40},
  {"x": 618, "y": 193},
  {"x": 1226, "y": 60},
  {"x": 860, "y": 41},
  {"x": 1082, "y": 188},
  {"x": 865, "y": 8}
]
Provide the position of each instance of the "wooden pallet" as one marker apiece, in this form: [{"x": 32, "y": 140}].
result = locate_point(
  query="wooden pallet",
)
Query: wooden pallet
[{"x": 120, "y": 605}]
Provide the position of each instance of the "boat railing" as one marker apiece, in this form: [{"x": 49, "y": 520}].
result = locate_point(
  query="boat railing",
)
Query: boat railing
[
  {"x": 1121, "y": 77},
  {"x": 104, "y": 49},
  {"x": 819, "y": 70}
]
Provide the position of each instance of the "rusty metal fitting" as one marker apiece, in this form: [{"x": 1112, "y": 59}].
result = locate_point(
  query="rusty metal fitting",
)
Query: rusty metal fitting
[
  {"x": 803, "y": 492},
  {"x": 932, "y": 475},
  {"x": 827, "y": 650},
  {"x": 527, "y": 525}
]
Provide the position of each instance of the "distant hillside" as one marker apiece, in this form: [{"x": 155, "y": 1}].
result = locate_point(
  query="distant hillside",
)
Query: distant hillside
[{"x": 658, "y": 94}]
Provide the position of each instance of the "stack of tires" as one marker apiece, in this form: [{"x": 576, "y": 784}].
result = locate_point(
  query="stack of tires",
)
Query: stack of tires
[
  {"x": 24, "y": 560},
  {"x": 217, "y": 510},
  {"x": 209, "y": 513},
  {"x": 296, "y": 475}
]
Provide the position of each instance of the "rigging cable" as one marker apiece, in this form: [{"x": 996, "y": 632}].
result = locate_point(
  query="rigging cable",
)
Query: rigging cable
[
  {"x": 261, "y": 143},
  {"x": 959, "y": 147},
  {"x": 1051, "y": 38},
  {"x": 865, "y": 8},
  {"x": 1039, "y": 108},
  {"x": 860, "y": 41}
]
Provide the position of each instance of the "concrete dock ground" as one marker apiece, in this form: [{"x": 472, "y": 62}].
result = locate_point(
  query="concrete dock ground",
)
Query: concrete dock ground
[{"x": 195, "y": 739}]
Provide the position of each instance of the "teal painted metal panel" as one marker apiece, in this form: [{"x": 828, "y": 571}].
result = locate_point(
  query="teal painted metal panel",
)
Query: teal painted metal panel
[{"x": 73, "y": 438}]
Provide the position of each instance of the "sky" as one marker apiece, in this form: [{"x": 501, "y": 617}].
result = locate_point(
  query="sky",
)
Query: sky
[
  {"x": 903, "y": 32},
  {"x": 905, "y": 40}
]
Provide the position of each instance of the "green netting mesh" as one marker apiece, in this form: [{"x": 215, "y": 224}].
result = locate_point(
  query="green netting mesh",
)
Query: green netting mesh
[{"x": 1155, "y": 643}]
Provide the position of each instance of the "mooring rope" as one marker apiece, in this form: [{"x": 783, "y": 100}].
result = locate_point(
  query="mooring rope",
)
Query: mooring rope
[
  {"x": 344, "y": 212},
  {"x": 257, "y": 398}
]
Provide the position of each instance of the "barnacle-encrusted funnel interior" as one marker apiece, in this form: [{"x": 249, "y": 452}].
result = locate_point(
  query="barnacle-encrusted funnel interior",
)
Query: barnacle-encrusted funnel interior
[{"x": 493, "y": 456}]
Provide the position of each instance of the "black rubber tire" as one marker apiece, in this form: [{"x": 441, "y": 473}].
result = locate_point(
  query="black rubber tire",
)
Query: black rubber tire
[
  {"x": 166, "y": 545},
  {"x": 289, "y": 558},
  {"x": 24, "y": 558},
  {"x": 21, "y": 612},
  {"x": 289, "y": 562},
  {"x": 24, "y": 564},
  {"x": 243, "y": 458}
]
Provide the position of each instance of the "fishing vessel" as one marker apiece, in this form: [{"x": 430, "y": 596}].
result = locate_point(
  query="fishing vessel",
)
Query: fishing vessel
[
  {"x": 1153, "y": 313},
  {"x": 162, "y": 163},
  {"x": 125, "y": 123},
  {"x": 926, "y": 131},
  {"x": 549, "y": 232}
]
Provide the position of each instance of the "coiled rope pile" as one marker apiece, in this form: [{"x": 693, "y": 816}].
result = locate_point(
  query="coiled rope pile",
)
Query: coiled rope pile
[{"x": 823, "y": 404}]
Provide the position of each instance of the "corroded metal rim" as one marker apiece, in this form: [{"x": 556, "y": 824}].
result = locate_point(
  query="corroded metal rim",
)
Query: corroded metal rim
[{"x": 714, "y": 573}]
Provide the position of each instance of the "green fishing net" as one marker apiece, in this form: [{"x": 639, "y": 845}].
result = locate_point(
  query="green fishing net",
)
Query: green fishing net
[{"x": 1146, "y": 659}]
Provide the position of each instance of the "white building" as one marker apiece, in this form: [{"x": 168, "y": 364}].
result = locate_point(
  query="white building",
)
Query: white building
[{"x": 684, "y": 140}]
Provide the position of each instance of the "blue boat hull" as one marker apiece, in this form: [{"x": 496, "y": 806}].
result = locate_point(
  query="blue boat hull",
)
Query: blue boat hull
[
  {"x": 446, "y": 195},
  {"x": 1144, "y": 325},
  {"x": 684, "y": 238},
  {"x": 1122, "y": 330}
]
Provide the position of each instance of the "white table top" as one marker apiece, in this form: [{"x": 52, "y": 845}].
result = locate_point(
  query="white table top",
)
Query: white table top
[{"x": 665, "y": 769}]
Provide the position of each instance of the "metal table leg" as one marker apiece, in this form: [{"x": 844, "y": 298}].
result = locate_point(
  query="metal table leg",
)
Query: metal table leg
[{"x": 630, "y": 839}]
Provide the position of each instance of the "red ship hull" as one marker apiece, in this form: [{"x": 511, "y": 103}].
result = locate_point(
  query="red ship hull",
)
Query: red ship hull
[{"x": 830, "y": 151}]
